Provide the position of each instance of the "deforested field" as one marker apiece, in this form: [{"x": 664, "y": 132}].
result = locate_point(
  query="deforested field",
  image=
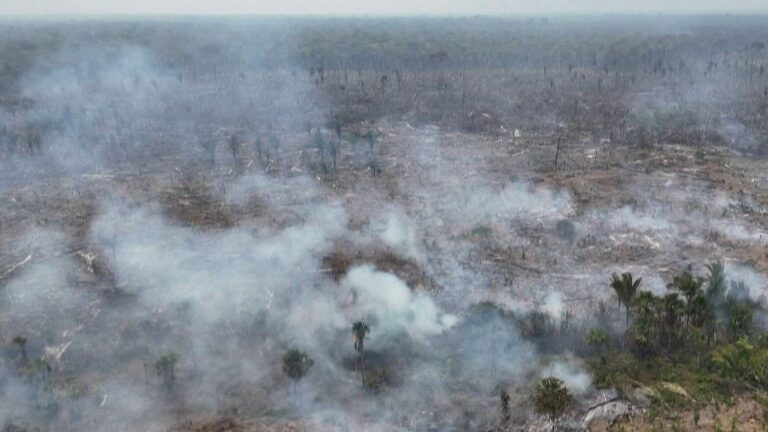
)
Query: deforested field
[{"x": 384, "y": 224}]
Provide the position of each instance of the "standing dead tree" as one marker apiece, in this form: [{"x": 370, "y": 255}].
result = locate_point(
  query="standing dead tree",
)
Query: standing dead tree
[
  {"x": 333, "y": 150},
  {"x": 165, "y": 368}
]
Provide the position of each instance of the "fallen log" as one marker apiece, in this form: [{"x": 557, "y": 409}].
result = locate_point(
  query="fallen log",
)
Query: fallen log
[{"x": 14, "y": 267}]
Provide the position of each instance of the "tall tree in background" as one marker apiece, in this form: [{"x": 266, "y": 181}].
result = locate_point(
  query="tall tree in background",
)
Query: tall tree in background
[
  {"x": 625, "y": 288},
  {"x": 672, "y": 308},
  {"x": 716, "y": 282},
  {"x": 690, "y": 286}
]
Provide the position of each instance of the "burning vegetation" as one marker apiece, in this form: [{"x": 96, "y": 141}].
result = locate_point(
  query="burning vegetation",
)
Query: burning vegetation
[{"x": 284, "y": 224}]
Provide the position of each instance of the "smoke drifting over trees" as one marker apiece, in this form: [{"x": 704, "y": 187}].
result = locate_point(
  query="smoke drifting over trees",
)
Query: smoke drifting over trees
[{"x": 196, "y": 215}]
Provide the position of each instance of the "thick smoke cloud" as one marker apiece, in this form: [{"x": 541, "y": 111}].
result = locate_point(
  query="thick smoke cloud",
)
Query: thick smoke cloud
[
  {"x": 283, "y": 268},
  {"x": 218, "y": 272},
  {"x": 393, "y": 306},
  {"x": 398, "y": 232}
]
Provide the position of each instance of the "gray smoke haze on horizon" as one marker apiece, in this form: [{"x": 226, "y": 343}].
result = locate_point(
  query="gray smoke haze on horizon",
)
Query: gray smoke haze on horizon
[
  {"x": 369, "y": 7},
  {"x": 203, "y": 294}
]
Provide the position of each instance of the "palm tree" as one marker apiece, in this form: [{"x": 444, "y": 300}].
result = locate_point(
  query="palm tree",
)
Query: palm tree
[
  {"x": 671, "y": 309},
  {"x": 644, "y": 303},
  {"x": 700, "y": 310},
  {"x": 687, "y": 284},
  {"x": 625, "y": 288},
  {"x": 296, "y": 364},
  {"x": 359, "y": 330},
  {"x": 644, "y": 327},
  {"x": 716, "y": 282},
  {"x": 690, "y": 286},
  {"x": 740, "y": 323}
]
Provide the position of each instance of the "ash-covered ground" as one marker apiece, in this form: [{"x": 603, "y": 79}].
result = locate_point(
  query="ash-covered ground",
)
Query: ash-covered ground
[{"x": 226, "y": 215}]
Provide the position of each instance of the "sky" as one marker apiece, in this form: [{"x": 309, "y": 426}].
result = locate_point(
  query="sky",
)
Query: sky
[{"x": 374, "y": 7}]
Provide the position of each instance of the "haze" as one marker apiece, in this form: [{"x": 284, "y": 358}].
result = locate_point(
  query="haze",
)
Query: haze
[
  {"x": 370, "y": 7},
  {"x": 345, "y": 216}
]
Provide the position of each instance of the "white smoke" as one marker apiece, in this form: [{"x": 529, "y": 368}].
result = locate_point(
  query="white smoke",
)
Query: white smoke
[
  {"x": 514, "y": 200},
  {"x": 573, "y": 374},
  {"x": 221, "y": 273},
  {"x": 399, "y": 233},
  {"x": 757, "y": 283},
  {"x": 554, "y": 305},
  {"x": 394, "y": 306}
]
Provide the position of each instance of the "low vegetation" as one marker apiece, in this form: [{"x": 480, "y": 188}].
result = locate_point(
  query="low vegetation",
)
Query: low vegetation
[{"x": 695, "y": 344}]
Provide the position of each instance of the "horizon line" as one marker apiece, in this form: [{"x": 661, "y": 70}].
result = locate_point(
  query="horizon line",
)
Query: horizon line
[{"x": 541, "y": 14}]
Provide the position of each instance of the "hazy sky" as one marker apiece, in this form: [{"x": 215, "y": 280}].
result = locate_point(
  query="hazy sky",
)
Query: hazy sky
[{"x": 377, "y": 7}]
